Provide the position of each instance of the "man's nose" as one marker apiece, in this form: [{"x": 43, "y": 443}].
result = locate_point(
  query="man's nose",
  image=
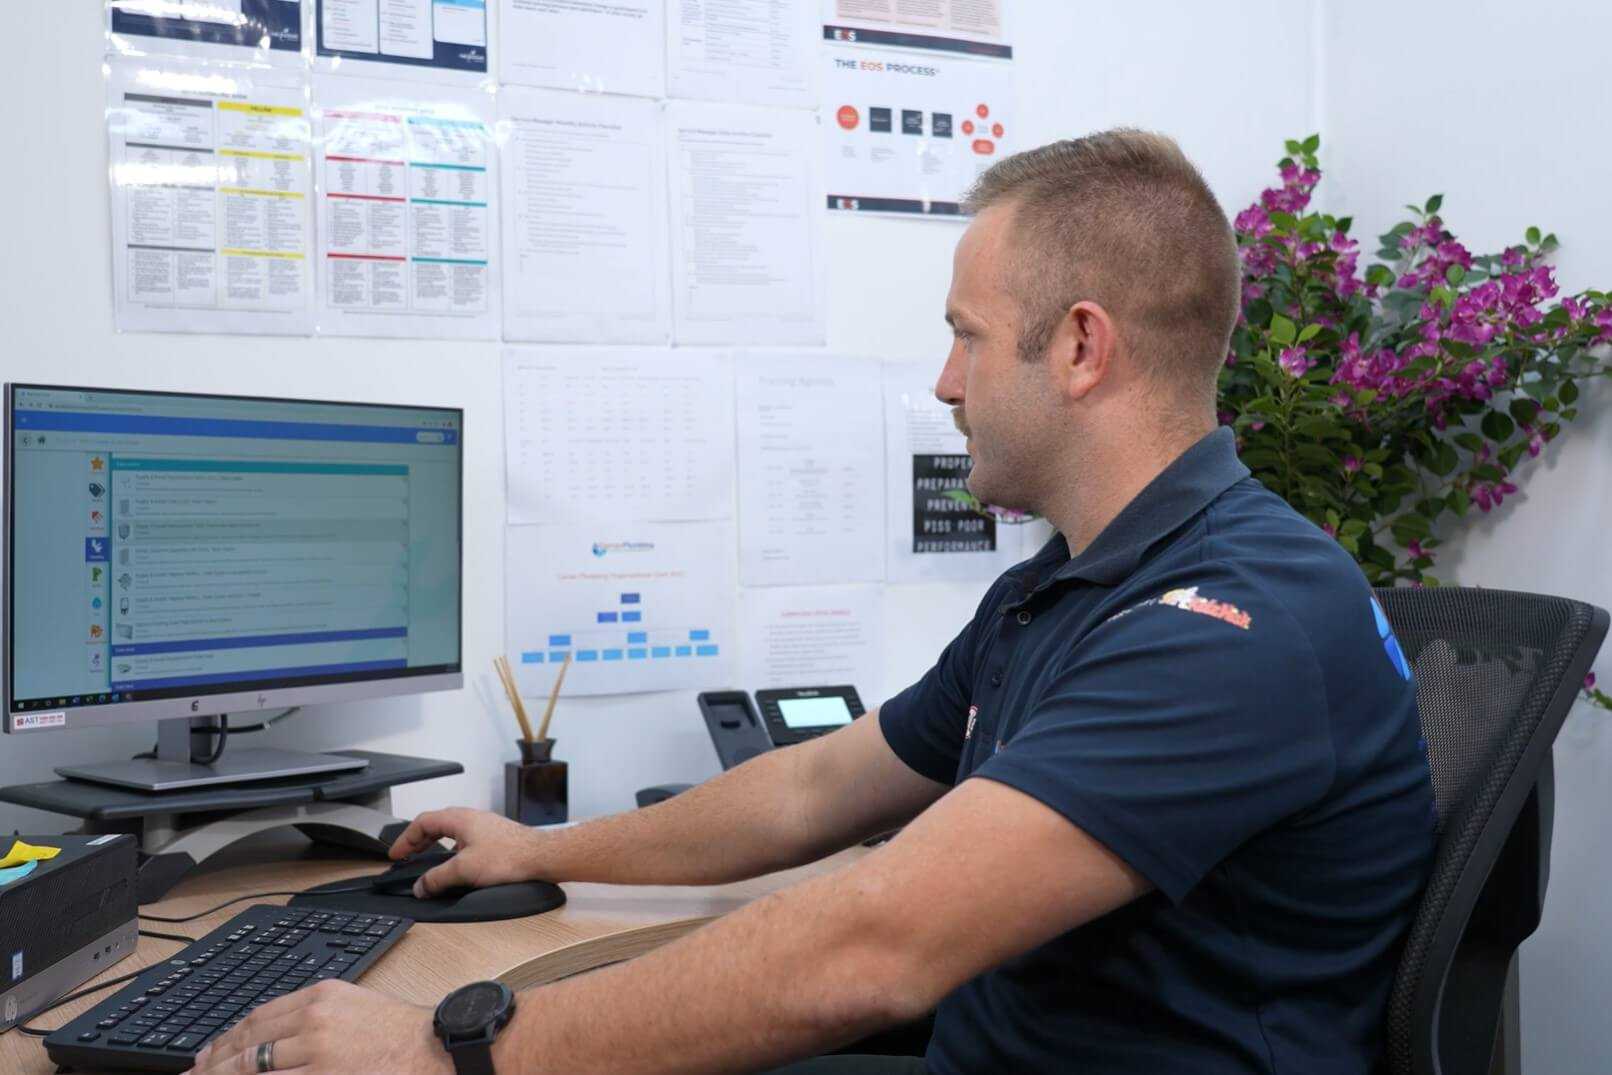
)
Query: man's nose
[{"x": 949, "y": 389}]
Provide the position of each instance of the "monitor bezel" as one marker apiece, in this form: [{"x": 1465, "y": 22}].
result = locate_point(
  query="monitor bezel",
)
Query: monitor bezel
[{"x": 234, "y": 697}]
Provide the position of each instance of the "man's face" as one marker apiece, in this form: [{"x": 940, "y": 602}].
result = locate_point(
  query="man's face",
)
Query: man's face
[{"x": 1003, "y": 404}]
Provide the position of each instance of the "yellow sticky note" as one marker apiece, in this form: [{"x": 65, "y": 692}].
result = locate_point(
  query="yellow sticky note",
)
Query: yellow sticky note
[{"x": 21, "y": 853}]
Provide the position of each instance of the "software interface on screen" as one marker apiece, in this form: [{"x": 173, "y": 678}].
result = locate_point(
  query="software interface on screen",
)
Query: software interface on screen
[
  {"x": 171, "y": 545},
  {"x": 814, "y": 712}
]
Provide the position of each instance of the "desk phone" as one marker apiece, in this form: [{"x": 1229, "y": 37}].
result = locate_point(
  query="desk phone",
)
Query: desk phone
[{"x": 740, "y": 728}]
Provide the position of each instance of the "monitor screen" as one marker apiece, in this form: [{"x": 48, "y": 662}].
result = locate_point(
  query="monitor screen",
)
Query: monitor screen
[
  {"x": 166, "y": 546},
  {"x": 814, "y": 712}
]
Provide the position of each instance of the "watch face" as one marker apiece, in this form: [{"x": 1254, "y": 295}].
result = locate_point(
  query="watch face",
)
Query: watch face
[{"x": 472, "y": 1008}]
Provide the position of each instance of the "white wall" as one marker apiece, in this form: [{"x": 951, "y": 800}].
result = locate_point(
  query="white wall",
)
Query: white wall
[
  {"x": 1502, "y": 107},
  {"x": 1169, "y": 64}
]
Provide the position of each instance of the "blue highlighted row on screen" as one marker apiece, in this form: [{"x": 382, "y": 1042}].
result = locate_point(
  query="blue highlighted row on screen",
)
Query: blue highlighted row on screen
[
  {"x": 621, "y": 617},
  {"x": 634, "y": 653}
]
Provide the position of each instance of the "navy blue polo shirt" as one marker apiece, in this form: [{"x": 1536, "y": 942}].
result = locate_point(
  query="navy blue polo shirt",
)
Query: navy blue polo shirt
[{"x": 1211, "y": 691}]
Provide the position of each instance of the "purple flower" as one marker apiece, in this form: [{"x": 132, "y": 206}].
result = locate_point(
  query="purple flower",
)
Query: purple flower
[
  {"x": 1331, "y": 531},
  {"x": 1254, "y": 221},
  {"x": 1296, "y": 361},
  {"x": 1417, "y": 552},
  {"x": 1603, "y": 321},
  {"x": 1351, "y": 464},
  {"x": 1589, "y": 681}
]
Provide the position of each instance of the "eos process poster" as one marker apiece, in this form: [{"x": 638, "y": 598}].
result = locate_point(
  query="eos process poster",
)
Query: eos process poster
[
  {"x": 908, "y": 133},
  {"x": 210, "y": 189}
]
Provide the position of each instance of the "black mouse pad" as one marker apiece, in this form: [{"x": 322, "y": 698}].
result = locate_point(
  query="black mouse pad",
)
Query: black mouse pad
[{"x": 491, "y": 904}]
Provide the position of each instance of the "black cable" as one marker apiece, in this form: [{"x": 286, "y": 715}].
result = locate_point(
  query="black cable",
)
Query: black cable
[
  {"x": 36, "y": 1032},
  {"x": 365, "y": 887},
  {"x": 222, "y": 733}
]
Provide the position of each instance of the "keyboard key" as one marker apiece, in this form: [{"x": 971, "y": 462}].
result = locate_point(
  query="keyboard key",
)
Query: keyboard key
[
  {"x": 123, "y": 1037},
  {"x": 89, "y": 1035},
  {"x": 187, "y": 1043},
  {"x": 155, "y": 1040}
]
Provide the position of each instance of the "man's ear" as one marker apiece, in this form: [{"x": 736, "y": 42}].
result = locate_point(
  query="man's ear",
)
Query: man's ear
[{"x": 1082, "y": 349}]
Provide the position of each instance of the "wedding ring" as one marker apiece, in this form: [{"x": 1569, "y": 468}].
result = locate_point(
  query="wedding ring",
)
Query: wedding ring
[{"x": 265, "y": 1056}]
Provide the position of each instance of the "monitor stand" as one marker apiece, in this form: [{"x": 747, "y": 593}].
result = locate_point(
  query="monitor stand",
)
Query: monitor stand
[{"x": 173, "y": 770}]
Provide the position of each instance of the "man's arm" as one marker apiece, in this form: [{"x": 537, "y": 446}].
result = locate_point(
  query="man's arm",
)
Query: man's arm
[
  {"x": 781, "y": 809},
  {"x": 987, "y": 873}
]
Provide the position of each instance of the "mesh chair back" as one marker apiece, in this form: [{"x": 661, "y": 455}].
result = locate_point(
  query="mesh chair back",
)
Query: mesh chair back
[{"x": 1496, "y": 673}]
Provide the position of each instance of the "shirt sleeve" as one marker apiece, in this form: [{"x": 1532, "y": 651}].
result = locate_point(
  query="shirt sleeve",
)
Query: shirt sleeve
[
  {"x": 924, "y": 724},
  {"x": 1179, "y": 728}
]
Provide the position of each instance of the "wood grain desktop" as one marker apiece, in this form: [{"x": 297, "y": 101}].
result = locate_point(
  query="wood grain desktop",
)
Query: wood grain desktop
[{"x": 599, "y": 925}]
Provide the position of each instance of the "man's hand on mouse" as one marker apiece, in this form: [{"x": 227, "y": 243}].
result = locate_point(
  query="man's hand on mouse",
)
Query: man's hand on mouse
[{"x": 491, "y": 850}]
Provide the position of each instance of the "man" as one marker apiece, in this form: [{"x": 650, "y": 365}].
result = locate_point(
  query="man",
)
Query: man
[{"x": 1166, "y": 809}]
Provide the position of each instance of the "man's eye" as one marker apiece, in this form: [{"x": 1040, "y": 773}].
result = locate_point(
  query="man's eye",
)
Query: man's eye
[{"x": 961, "y": 336}]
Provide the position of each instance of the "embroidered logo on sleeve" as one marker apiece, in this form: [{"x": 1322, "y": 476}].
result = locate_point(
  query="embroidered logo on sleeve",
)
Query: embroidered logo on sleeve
[
  {"x": 968, "y": 732},
  {"x": 1188, "y": 599}
]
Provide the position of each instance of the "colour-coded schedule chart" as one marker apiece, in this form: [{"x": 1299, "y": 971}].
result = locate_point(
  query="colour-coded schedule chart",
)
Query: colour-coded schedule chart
[
  {"x": 406, "y": 193},
  {"x": 633, "y": 612}
]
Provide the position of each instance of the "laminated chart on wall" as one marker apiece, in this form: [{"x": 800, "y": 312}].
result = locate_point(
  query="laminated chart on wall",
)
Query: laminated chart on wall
[
  {"x": 636, "y": 606},
  {"x": 211, "y": 223},
  {"x": 756, "y": 51},
  {"x": 966, "y": 27},
  {"x": 811, "y": 636},
  {"x": 418, "y": 40},
  {"x": 257, "y": 31},
  {"x": 811, "y": 490},
  {"x": 594, "y": 46},
  {"x": 746, "y": 210},
  {"x": 596, "y": 433},
  {"x": 585, "y": 244},
  {"x": 930, "y": 534},
  {"x": 905, "y": 133},
  {"x": 407, "y": 191}
]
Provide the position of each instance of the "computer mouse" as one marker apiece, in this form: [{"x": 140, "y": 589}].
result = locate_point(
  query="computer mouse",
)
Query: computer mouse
[{"x": 399, "y": 880}]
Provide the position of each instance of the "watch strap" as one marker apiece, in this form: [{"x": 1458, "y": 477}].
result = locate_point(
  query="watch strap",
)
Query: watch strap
[{"x": 473, "y": 1059}]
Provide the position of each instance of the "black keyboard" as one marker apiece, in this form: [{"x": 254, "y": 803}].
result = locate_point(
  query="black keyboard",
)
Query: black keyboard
[{"x": 161, "y": 1020}]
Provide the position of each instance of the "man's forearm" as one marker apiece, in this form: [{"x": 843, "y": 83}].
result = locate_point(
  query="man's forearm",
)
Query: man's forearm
[
  {"x": 743, "y": 823},
  {"x": 798, "y": 972}
]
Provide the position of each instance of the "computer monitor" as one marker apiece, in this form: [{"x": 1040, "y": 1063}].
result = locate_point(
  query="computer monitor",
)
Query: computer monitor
[{"x": 171, "y": 556}]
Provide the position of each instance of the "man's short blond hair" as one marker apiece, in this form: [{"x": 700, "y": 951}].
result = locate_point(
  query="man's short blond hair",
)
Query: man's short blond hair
[{"x": 1123, "y": 219}]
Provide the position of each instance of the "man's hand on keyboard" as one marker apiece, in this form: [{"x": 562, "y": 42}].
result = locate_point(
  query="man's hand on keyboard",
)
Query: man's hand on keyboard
[
  {"x": 491, "y": 850},
  {"x": 333, "y": 1028}
]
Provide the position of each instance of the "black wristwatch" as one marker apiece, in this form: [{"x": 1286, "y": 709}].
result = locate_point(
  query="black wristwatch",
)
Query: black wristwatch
[{"x": 469, "y": 1019}]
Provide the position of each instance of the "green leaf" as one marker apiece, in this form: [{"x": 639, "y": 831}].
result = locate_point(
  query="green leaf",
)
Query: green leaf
[
  {"x": 1315, "y": 455},
  {"x": 1497, "y": 427},
  {"x": 1444, "y": 460},
  {"x": 1417, "y": 526},
  {"x": 1380, "y": 275},
  {"x": 1458, "y": 501},
  {"x": 1312, "y": 143},
  {"x": 1488, "y": 472},
  {"x": 1455, "y": 274},
  {"x": 1293, "y": 146},
  {"x": 1524, "y": 411},
  {"x": 1570, "y": 413},
  {"x": 1433, "y": 204},
  {"x": 1532, "y": 235},
  {"x": 1283, "y": 331},
  {"x": 1309, "y": 333},
  {"x": 1343, "y": 224},
  {"x": 1568, "y": 392},
  {"x": 1283, "y": 221},
  {"x": 1470, "y": 441}
]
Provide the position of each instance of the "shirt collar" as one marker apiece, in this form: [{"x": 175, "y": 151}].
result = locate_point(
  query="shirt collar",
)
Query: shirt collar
[{"x": 1182, "y": 490}]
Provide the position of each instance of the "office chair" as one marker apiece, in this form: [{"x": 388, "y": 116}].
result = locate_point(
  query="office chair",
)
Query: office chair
[{"x": 1496, "y": 674}]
